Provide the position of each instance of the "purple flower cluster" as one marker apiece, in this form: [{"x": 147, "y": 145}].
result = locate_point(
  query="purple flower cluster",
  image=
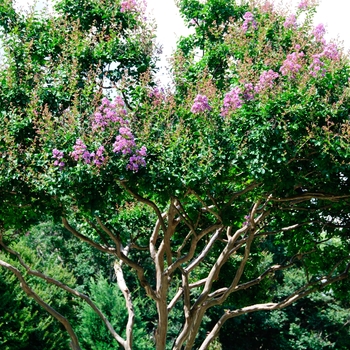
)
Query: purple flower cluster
[
  {"x": 267, "y": 6},
  {"x": 137, "y": 160},
  {"x": 246, "y": 222},
  {"x": 128, "y": 5},
  {"x": 266, "y": 80},
  {"x": 124, "y": 142},
  {"x": 200, "y": 104},
  {"x": 81, "y": 152},
  {"x": 248, "y": 92},
  {"x": 290, "y": 22},
  {"x": 315, "y": 66},
  {"x": 109, "y": 112},
  {"x": 318, "y": 32},
  {"x": 303, "y": 5},
  {"x": 157, "y": 95},
  {"x": 330, "y": 51},
  {"x": 291, "y": 65},
  {"x": 58, "y": 155},
  {"x": 248, "y": 20},
  {"x": 98, "y": 156},
  {"x": 232, "y": 101}
]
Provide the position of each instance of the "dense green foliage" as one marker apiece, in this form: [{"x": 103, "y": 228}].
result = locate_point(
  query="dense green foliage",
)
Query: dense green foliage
[
  {"x": 23, "y": 323},
  {"x": 224, "y": 195}
]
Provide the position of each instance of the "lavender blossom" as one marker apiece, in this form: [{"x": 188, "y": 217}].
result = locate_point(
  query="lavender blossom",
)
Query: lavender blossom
[
  {"x": 318, "y": 32},
  {"x": 330, "y": 51},
  {"x": 109, "y": 112},
  {"x": 232, "y": 101},
  {"x": 267, "y": 7},
  {"x": 200, "y": 104},
  {"x": 291, "y": 65},
  {"x": 128, "y": 5},
  {"x": 98, "y": 156},
  {"x": 58, "y": 155},
  {"x": 315, "y": 66},
  {"x": 137, "y": 160},
  {"x": 79, "y": 149},
  {"x": 266, "y": 80},
  {"x": 248, "y": 92},
  {"x": 290, "y": 22},
  {"x": 303, "y": 5},
  {"x": 248, "y": 20},
  {"x": 246, "y": 222}
]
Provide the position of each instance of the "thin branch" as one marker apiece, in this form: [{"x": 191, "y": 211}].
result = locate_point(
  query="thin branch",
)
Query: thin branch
[
  {"x": 98, "y": 231},
  {"x": 63, "y": 286},
  {"x": 192, "y": 249},
  {"x": 108, "y": 232},
  {"x": 74, "y": 340},
  {"x": 240, "y": 193},
  {"x": 153, "y": 239},
  {"x": 308, "y": 196},
  {"x": 85, "y": 239},
  {"x": 301, "y": 293},
  {"x": 175, "y": 299},
  {"x": 205, "y": 251},
  {"x": 139, "y": 269},
  {"x": 146, "y": 201},
  {"x": 128, "y": 301},
  {"x": 206, "y": 207},
  {"x": 187, "y": 220}
]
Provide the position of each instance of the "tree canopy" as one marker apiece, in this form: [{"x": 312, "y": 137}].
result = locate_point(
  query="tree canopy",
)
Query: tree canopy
[{"x": 205, "y": 193}]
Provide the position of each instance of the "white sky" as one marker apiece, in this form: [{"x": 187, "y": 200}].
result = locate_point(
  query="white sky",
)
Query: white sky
[{"x": 334, "y": 14}]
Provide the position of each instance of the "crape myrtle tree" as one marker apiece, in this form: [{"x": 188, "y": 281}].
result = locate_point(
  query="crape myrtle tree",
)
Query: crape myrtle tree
[{"x": 207, "y": 192}]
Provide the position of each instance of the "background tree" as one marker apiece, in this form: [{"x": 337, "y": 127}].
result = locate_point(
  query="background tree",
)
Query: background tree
[{"x": 209, "y": 192}]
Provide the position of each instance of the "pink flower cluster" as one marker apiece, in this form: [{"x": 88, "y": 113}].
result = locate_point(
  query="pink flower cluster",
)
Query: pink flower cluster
[
  {"x": 157, "y": 96},
  {"x": 248, "y": 20},
  {"x": 58, "y": 155},
  {"x": 109, "y": 112},
  {"x": 200, "y": 104},
  {"x": 290, "y": 22},
  {"x": 248, "y": 92},
  {"x": 266, "y": 80},
  {"x": 232, "y": 101},
  {"x": 318, "y": 32},
  {"x": 315, "y": 66},
  {"x": 246, "y": 222},
  {"x": 303, "y": 5},
  {"x": 81, "y": 152},
  {"x": 330, "y": 51},
  {"x": 137, "y": 160},
  {"x": 292, "y": 64},
  {"x": 267, "y": 6},
  {"x": 128, "y": 5},
  {"x": 124, "y": 142}
]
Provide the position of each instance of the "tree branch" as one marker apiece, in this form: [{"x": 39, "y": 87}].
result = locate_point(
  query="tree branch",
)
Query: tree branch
[
  {"x": 128, "y": 301},
  {"x": 74, "y": 340},
  {"x": 302, "y": 292},
  {"x": 146, "y": 201},
  {"x": 85, "y": 239},
  {"x": 63, "y": 286},
  {"x": 139, "y": 269}
]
